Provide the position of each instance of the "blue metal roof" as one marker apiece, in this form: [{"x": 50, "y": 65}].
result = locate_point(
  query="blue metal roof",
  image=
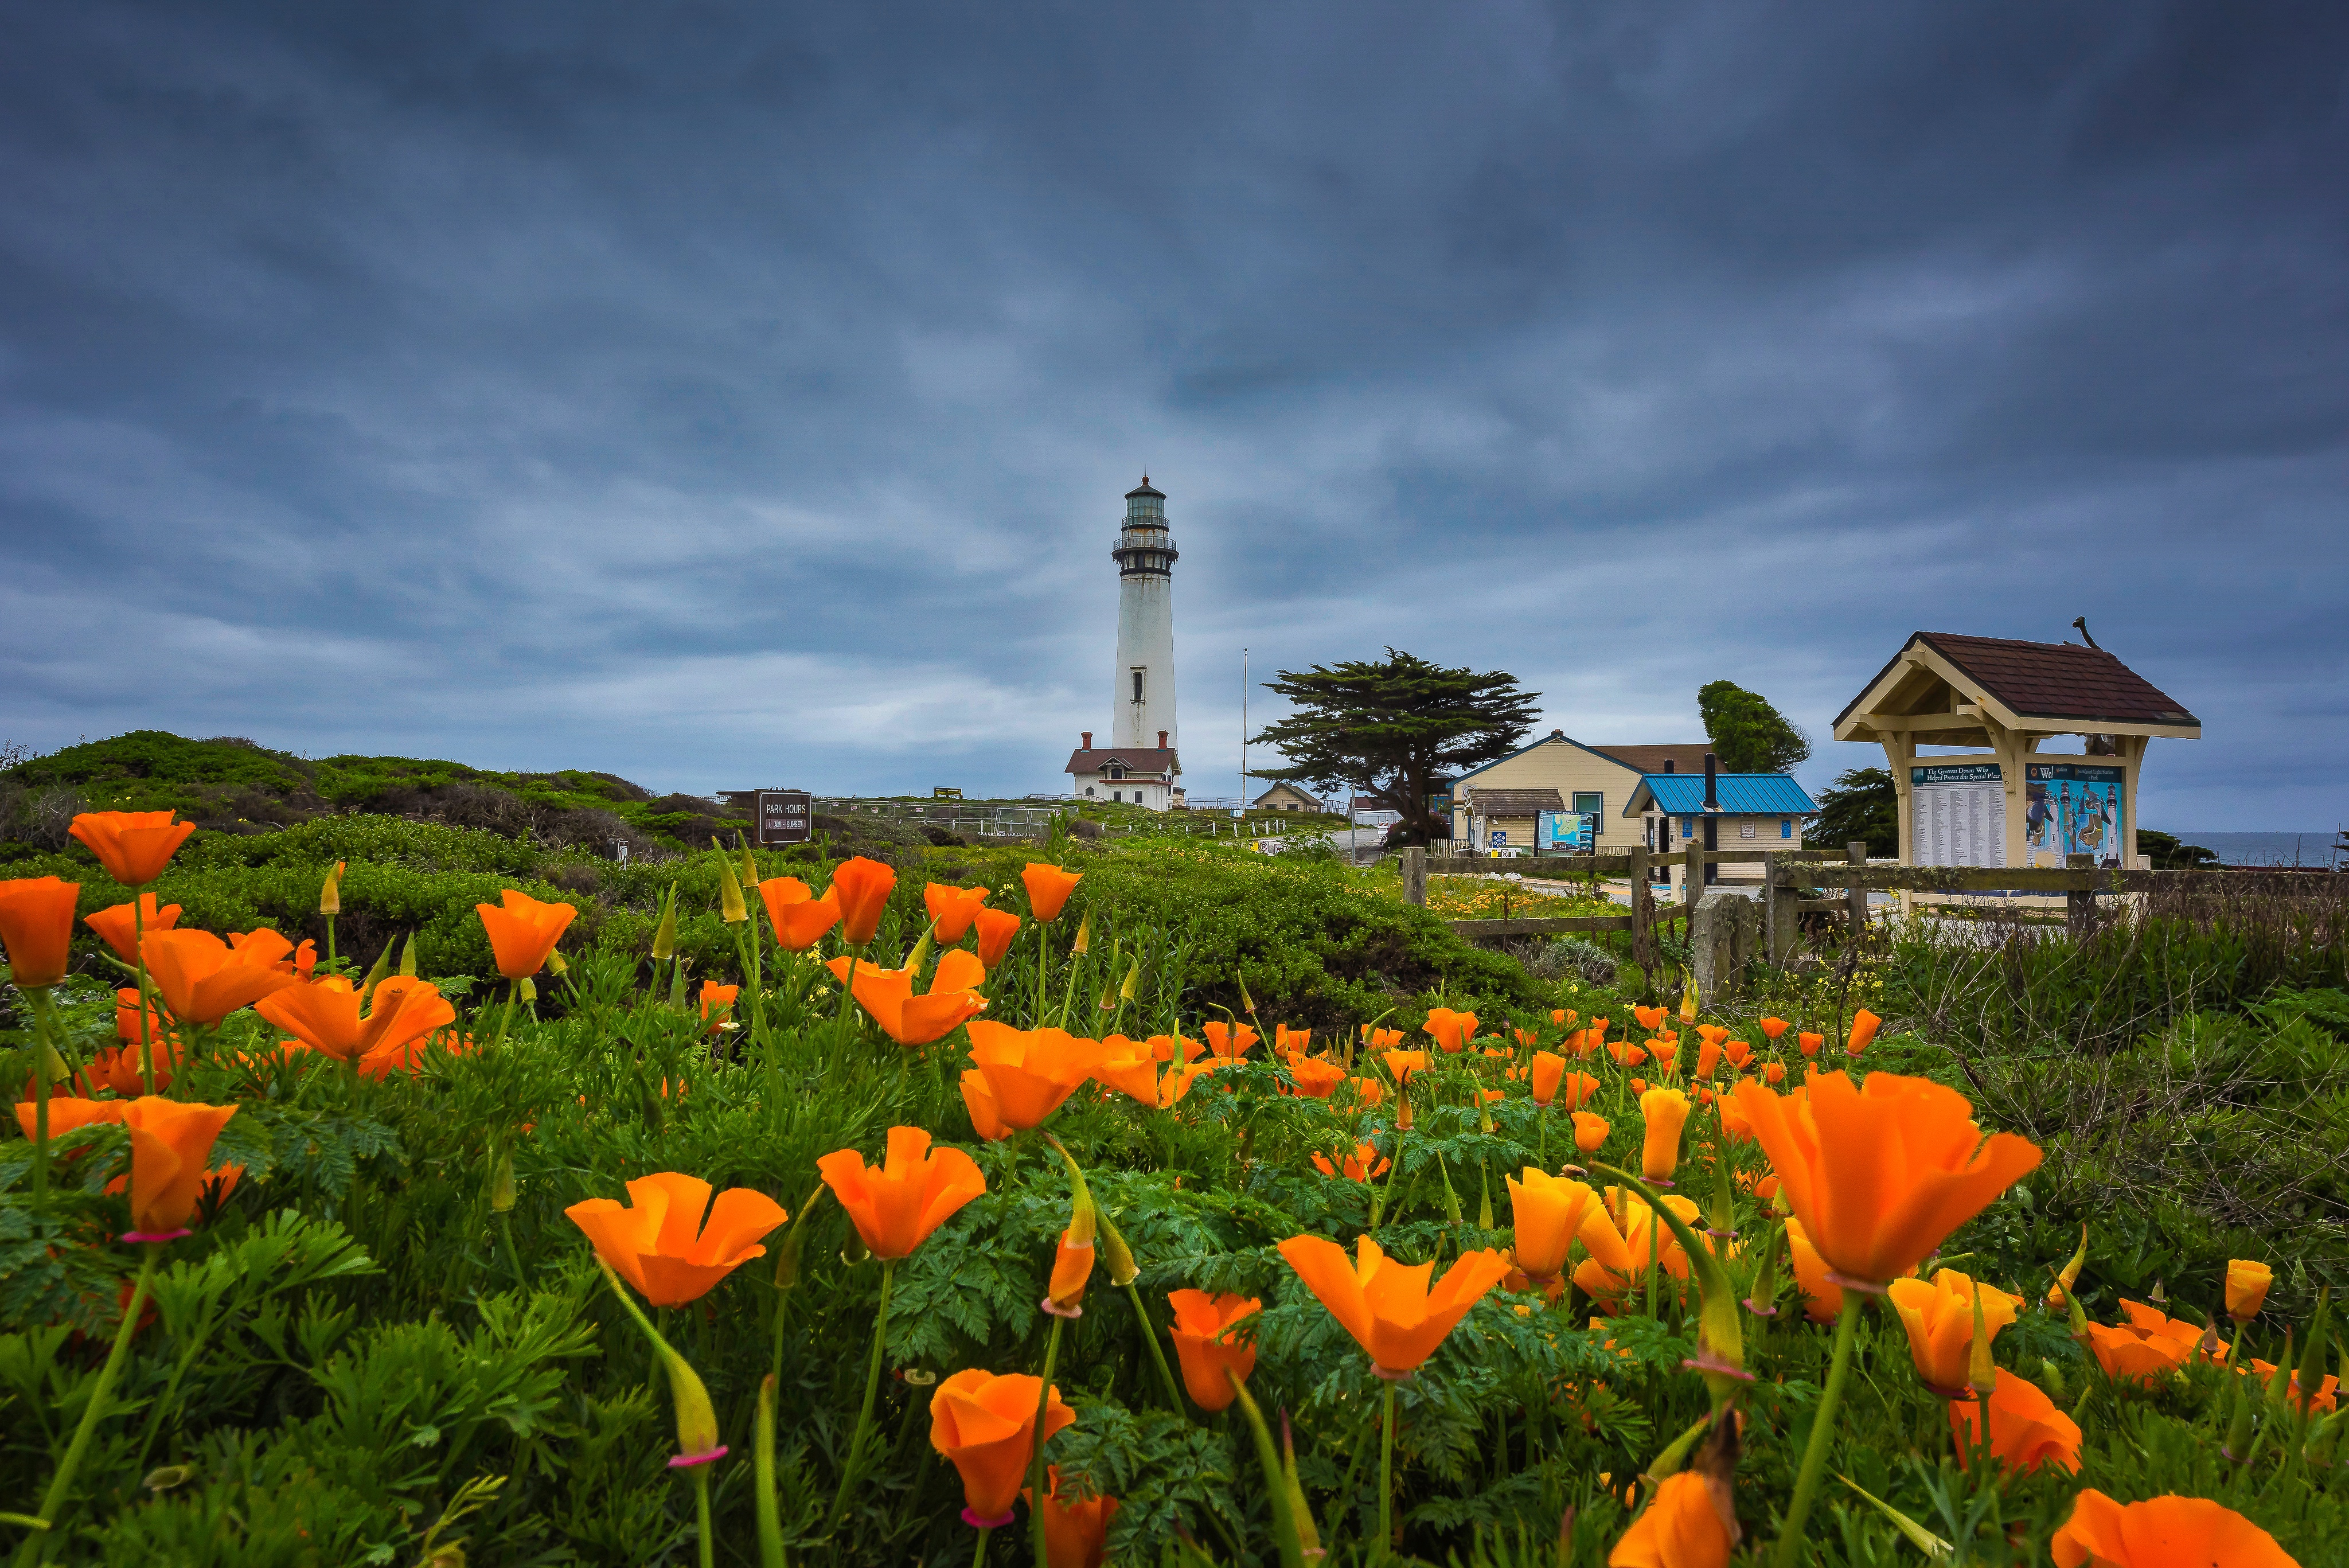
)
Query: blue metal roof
[{"x": 1741, "y": 794}]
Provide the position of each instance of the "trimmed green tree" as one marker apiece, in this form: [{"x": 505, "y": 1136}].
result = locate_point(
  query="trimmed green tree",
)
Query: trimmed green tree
[
  {"x": 1861, "y": 805},
  {"x": 1748, "y": 735},
  {"x": 1389, "y": 729}
]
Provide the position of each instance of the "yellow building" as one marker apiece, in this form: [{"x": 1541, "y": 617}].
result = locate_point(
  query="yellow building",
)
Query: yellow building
[
  {"x": 1999, "y": 800},
  {"x": 1558, "y": 774}
]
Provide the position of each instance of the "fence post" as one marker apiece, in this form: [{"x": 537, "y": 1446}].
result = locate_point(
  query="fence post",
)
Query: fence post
[
  {"x": 1414, "y": 874},
  {"x": 1778, "y": 912},
  {"x": 1856, "y": 901},
  {"x": 2080, "y": 903},
  {"x": 1643, "y": 911}
]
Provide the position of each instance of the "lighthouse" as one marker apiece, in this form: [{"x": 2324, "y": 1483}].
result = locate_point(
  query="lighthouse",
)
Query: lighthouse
[
  {"x": 1141, "y": 698},
  {"x": 1138, "y": 765}
]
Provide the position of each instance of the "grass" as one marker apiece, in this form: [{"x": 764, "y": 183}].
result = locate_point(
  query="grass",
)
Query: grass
[{"x": 357, "y": 1358}]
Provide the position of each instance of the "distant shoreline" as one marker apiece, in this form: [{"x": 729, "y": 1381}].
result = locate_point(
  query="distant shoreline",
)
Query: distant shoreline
[{"x": 2312, "y": 847}]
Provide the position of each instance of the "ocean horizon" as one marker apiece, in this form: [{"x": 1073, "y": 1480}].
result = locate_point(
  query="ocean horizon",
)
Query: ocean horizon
[{"x": 2313, "y": 847}]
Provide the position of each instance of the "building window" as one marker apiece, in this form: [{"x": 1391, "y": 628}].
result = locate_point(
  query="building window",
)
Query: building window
[
  {"x": 1589, "y": 805},
  {"x": 1116, "y": 773},
  {"x": 1089, "y": 792},
  {"x": 1137, "y": 685},
  {"x": 1786, "y": 827},
  {"x": 1117, "y": 794}
]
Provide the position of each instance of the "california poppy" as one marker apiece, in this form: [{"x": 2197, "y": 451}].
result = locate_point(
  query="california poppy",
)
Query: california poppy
[
  {"x": 1402, "y": 1064},
  {"x": 1738, "y": 1052},
  {"x": 2247, "y": 1288},
  {"x": 133, "y": 846},
  {"x": 1589, "y": 1131},
  {"x": 1076, "y": 1532},
  {"x": 1662, "y": 1114},
  {"x": 1452, "y": 1031},
  {"x": 1389, "y": 1307},
  {"x": 1864, "y": 1025},
  {"x": 1049, "y": 888},
  {"x": 1774, "y": 1027},
  {"x": 203, "y": 980},
  {"x": 1650, "y": 1018},
  {"x": 800, "y": 918},
  {"x": 952, "y": 908},
  {"x": 1822, "y": 1297},
  {"x": 718, "y": 1003},
  {"x": 1708, "y": 1058},
  {"x": 67, "y": 1112},
  {"x": 910, "y": 1020},
  {"x": 1880, "y": 1173},
  {"x": 1028, "y": 1073},
  {"x": 1205, "y": 1345},
  {"x": 1774, "y": 1073},
  {"x": 659, "y": 1242},
  {"x": 1681, "y": 1526},
  {"x": 325, "y": 1015},
  {"x": 36, "y": 927},
  {"x": 1362, "y": 1165},
  {"x": 2319, "y": 1403},
  {"x": 996, "y": 930},
  {"x": 406, "y": 1056},
  {"x": 1548, "y": 1069},
  {"x": 1369, "y": 1091},
  {"x": 1621, "y": 1245},
  {"x": 1285, "y": 1039},
  {"x": 986, "y": 1425},
  {"x": 1547, "y": 1212},
  {"x": 2131, "y": 1355},
  {"x": 523, "y": 931},
  {"x": 1810, "y": 1043},
  {"x": 1378, "y": 1039},
  {"x": 1229, "y": 1040},
  {"x": 170, "y": 1144},
  {"x": 861, "y": 887},
  {"x": 1129, "y": 1066},
  {"x": 1317, "y": 1077},
  {"x": 2027, "y": 1429},
  {"x": 2159, "y": 1532},
  {"x": 896, "y": 1205},
  {"x": 1939, "y": 1317},
  {"x": 118, "y": 925}
]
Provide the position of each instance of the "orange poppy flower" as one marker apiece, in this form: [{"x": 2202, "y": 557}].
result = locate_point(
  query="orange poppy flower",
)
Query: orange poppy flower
[
  {"x": 1810, "y": 1043},
  {"x": 37, "y": 917},
  {"x": 659, "y": 1242},
  {"x": 133, "y": 846},
  {"x": 1049, "y": 888},
  {"x": 2159, "y": 1532},
  {"x": 1735, "y": 1126},
  {"x": 718, "y": 1003},
  {"x": 1317, "y": 1078},
  {"x": 118, "y": 925},
  {"x": 2130, "y": 1357},
  {"x": 1378, "y": 1039},
  {"x": 1650, "y": 1018},
  {"x": 1620, "y": 1246},
  {"x": 1589, "y": 1131},
  {"x": 1369, "y": 1091},
  {"x": 1880, "y": 1173},
  {"x": 888, "y": 995},
  {"x": 986, "y": 1425},
  {"x": 1526, "y": 1039},
  {"x": 1362, "y": 1165},
  {"x": 1178, "y": 1079},
  {"x": 407, "y": 1057},
  {"x": 1076, "y": 1532},
  {"x": 1452, "y": 1031},
  {"x": 523, "y": 932},
  {"x": 2027, "y": 1429},
  {"x": 895, "y": 1205},
  {"x": 1547, "y": 1212},
  {"x": 861, "y": 887},
  {"x": 325, "y": 1015},
  {"x": 1131, "y": 1067},
  {"x": 1072, "y": 1265},
  {"x": 800, "y": 918},
  {"x": 996, "y": 930},
  {"x": 1547, "y": 1070},
  {"x": 203, "y": 980},
  {"x": 1822, "y": 1297},
  {"x": 1285, "y": 1039},
  {"x": 2325, "y": 1398},
  {"x": 1774, "y": 1073},
  {"x": 1940, "y": 1318},
  {"x": 1681, "y": 1526},
  {"x": 1229, "y": 1040},
  {"x": 170, "y": 1144},
  {"x": 2247, "y": 1288},
  {"x": 1864, "y": 1025},
  {"x": 1389, "y": 1307},
  {"x": 1774, "y": 1027},
  {"x": 1739, "y": 1053},
  {"x": 1205, "y": 1345},
  {"x": 1626, "y": 1053},
  {"x": 1027, "y": 1073},
  {"x": 1662, "y": 1114},
  {"x": 952, "y": 908},
  {"x": 1402, "y": 1064},
  {"x": 1562, "y": 1015},
  {"x": 67, "y": 1112},
  {"x": 1708, "y": 1058}
]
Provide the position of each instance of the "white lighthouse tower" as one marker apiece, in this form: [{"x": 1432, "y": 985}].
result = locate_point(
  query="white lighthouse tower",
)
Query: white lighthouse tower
[
  {"x": 1138, "y": 766},
  {"x": 1142, "y": 702}
]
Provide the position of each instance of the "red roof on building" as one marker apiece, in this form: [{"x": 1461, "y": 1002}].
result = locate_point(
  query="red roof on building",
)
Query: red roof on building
[
  {"x": 1137, "y": 760},
  {"x": 2048, "y": 680}
]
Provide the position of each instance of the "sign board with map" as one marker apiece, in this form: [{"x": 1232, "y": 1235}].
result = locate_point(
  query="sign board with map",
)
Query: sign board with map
[
  {"x": 1957, "y": 814},
  {"x": 2076, "y": 808},
  {"x": 1565, "y": 830}
]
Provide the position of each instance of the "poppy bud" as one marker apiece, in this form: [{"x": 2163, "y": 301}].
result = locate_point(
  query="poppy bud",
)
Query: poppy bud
[
  {"x": 2070, "y": 1276},
  {"x": 731, "y": 907},
  {"x": 408, "y": 957},
  {"x": 501, "y": 1181},
  {"x": 1248, "y": 1003},
  {"x": 1084, "y": 941},
  {"x": 2247, "y": 1288},
  {"x": 2239, "y": 1428},
  {"x": 330, "y": 895},
  {"x": 1133, "y": 981},
  {"x": 697, "y": 1420},
  {"x": 664, "y": 933},
  {"x": 1072, "y": 1265},
  {"x": 525, "y": 989},
  {"x": 749, "y": 865},
  {"x": 1123, "y": 1270}
]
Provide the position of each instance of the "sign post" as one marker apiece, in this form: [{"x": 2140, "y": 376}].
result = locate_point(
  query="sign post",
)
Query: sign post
[{"x": 782, "y": 816}]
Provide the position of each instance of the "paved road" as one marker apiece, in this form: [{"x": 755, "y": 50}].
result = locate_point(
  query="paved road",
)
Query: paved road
[{"x": 1346, "y": 839}]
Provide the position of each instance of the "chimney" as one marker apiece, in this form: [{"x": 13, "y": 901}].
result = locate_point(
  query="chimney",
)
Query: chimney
[
  {"x": 1161, "y": 740},
  {"x": 1712, "y": 795},
  {"x": 1668, "y": 765},
  {"x": 1088, "y": 734}
]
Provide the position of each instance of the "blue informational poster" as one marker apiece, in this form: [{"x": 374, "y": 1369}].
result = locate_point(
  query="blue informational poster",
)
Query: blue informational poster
[
  {"x": 1498, "y": 837},
  {"x": 1566, "y": 830},
  {"x": 2075, "y": 809}
]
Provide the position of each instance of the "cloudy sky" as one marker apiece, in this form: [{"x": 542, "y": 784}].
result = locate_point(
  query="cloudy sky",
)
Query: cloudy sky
[{"x": 727, "y": 395}]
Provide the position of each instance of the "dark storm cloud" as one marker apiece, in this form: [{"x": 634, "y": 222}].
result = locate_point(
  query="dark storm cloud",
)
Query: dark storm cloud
[{"x": 706, "y": 392}]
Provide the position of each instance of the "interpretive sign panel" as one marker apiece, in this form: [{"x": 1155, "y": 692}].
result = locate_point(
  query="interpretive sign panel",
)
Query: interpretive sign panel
[
  {"x": 2075, "y": 809},
  {"x": 1957, "y": 814},
  {"x": 784, "y": 816}
]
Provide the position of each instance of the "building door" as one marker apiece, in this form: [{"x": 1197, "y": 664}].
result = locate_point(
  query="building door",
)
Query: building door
[{"x": 1712, "y": 841}]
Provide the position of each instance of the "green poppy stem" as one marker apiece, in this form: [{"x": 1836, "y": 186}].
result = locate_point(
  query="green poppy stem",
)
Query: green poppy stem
[
  {"x": 701, "y": 1516},
  {"x": 138, "y": 963},
  {"x": 1157, "y": 1352},
  {"x": 1815, "y": 1454},
  {"x": 978, "y": 1553},
  {"x": 872, "y": 1391},
  {"x": 1386, "y": 1480},
  {"x": 61, "y": 1484},
  {"x": 1036, "y": 1448},
  {"x": 769, "y": 1517},
  {"x": 43, "y": 1029}
]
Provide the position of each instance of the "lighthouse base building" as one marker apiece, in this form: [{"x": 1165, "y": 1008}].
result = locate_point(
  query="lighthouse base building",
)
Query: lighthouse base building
[{"x": 1139, "y": 765}]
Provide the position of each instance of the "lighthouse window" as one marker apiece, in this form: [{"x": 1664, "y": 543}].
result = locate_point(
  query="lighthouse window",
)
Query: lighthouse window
[{"x": 1137, "y": 685}]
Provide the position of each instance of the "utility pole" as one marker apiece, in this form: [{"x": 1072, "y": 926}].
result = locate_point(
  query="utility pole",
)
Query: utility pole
[{"x": 1244, "y": 652}]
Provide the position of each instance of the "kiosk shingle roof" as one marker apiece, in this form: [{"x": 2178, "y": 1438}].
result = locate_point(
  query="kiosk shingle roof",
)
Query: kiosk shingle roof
[{"x": 2050, "y": 680}]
